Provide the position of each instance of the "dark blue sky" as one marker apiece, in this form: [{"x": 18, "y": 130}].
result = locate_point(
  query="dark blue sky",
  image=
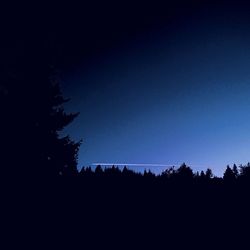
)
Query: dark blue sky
[{"x": 179, "y": 92}]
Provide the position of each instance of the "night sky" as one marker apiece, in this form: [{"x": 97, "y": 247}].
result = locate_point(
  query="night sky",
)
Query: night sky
[{"x": 155, "y": 84}]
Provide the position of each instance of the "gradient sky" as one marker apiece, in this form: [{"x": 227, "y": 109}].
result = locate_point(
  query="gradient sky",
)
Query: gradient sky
[{"x": 177, "y": 92}]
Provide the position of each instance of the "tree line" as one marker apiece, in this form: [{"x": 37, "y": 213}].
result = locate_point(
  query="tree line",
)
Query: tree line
[{"x": 184, "y": 173}]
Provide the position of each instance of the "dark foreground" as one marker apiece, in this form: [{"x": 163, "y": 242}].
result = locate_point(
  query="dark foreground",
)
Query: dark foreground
[{"x": 98, "y": 212}]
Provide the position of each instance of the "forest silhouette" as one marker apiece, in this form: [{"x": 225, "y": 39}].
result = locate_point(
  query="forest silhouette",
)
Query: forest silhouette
[{"x": 40, "y": 169}]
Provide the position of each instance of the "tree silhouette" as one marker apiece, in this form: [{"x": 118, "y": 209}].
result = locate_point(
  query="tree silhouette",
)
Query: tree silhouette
[
  {"x": 98, "y": 170},
  {"x": 168, "y": 173},
  {"x": 229, "y": 175},
  {"x": 235, "y": 170},
  {"x": 148, "y": 174},
  {"x": 127, "y": 172},
  {"x": 37, "y": 118},
  {"x": 184, "y": 173},
  {"x": 244, "y": 174},
  {"x": 59, "y": 154},
  {"x": 209, "y": 173},
  {"x": 202, "y": 175}
]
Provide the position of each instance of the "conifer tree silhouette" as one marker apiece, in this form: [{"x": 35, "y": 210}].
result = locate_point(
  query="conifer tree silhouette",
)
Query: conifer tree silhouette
[
  {"x": 209, "y": 173},
  {"x": 229, "y": 175},
  {"x": 59, "y": 153},
  {"x": 235, "y": 170},
  {"x": 37, "y": 118},
  {"x": 184, "y": 173}
]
